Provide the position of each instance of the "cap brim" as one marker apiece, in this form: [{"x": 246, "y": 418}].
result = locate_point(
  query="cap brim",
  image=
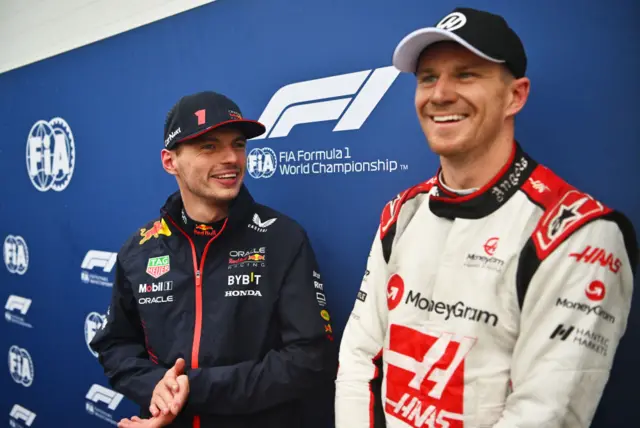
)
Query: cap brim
[
  {"x": 250, "y": 129},
  {"x": 405, "y": 56}
]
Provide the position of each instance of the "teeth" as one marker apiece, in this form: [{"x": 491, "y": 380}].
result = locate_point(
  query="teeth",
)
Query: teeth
[
  {"x": 450, "y": 118},
  {"x": 226, "y": 176}
]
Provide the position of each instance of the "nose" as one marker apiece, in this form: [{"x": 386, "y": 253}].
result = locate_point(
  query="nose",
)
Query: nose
[
  {"x": 444, "y": 91},
  {"x": 229, "y": 154}
]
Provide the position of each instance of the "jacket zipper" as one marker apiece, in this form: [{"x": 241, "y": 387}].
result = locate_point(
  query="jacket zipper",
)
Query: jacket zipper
[{"x": 197, "y": 331}]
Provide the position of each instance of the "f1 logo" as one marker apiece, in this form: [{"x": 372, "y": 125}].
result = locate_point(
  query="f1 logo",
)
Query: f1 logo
[
  {"x": 22, "y": 304},
  {"x": 20, "y": 413},
  {"x": 100, "y": 394},
  {"x": 354, "y": 94},
  {"x": 103, "y": 259}
]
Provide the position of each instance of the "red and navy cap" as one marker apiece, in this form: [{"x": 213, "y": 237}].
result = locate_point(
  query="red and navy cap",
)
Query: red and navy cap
[{"x": 195, "y": 114}]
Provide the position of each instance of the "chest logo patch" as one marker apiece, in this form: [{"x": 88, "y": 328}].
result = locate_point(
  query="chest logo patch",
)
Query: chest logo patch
[{"x": 158, "y": 266}]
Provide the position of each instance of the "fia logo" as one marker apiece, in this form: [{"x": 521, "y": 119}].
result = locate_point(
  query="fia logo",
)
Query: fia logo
[
  {"x": 21, "y": 366},
  {"x": 262, "y": 163},
  {"x": 51, "y": 155},
  {"x": 92, "y": 323},
  {"x": 16, "y": 254}
]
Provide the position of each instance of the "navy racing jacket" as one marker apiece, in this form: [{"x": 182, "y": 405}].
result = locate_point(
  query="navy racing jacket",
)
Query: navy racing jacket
[{"x": 248, "y": 315}]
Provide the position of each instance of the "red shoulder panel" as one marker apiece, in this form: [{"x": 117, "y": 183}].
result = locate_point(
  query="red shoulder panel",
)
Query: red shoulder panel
[
  {"x": 566, "y": 209},
  {"x": 391, "y": 210}
]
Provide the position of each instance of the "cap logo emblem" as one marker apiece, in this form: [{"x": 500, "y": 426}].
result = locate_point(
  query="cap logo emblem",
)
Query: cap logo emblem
[
  {"x": 452, "y": 22},
  {"x": 202, "y": 116}
]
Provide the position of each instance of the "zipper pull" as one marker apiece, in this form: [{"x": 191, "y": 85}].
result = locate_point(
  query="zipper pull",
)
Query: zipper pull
[{"x": 198, "y": 274}]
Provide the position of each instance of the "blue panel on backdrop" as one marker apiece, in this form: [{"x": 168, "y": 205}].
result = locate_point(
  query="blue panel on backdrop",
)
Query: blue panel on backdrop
[{"x": 82, "y": 134}]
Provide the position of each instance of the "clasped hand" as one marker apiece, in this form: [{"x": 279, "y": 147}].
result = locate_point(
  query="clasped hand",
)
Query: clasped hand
[{"x": 167, "y": 400}]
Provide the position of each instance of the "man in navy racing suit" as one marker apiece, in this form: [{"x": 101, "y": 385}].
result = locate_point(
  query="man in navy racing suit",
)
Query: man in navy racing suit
[{"x": 218, "y": 316}]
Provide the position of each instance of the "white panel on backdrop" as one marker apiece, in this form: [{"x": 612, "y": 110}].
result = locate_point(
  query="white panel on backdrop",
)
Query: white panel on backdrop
[{"x": 34, "y": 30}]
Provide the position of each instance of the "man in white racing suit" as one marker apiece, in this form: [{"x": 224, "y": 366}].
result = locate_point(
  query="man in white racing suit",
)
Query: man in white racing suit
[{"x": 495, "y": 293}]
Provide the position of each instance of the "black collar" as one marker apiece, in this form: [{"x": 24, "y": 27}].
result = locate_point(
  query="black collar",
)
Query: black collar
[
  {"x": 240, "y": 210},
  {"x": 491, "y": 196}
]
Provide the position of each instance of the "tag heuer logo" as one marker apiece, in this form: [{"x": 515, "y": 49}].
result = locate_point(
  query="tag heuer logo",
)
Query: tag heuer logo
[{"x": 158, "y": 266}]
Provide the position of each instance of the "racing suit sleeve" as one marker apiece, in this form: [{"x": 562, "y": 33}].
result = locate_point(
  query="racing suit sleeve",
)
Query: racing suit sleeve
[
  {"x": 574, "y": 314},
  {"x": 306, "y": 360},
  {"x": 358, "y": 384},
  {"x": 120, "y": 344}
]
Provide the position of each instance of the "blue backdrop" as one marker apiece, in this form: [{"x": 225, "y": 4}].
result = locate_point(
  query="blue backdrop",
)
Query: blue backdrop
[{"x": 82, "y": 134}]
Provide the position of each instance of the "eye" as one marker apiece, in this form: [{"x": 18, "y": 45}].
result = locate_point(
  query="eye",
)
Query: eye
[
  {"x": 427, "y": 78},
  {"x": 240, "y": 144},
  {"x": 466, "y": 75},
  {"x": 208, "y": 146}
]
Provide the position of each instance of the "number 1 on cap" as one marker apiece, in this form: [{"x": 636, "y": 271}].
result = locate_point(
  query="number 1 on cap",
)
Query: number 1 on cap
[{"x": 201, "y": 114}]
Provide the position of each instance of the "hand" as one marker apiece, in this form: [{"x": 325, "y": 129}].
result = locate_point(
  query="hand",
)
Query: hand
[
  {"x": 164, "y": 392},
  {"x": 162, "y": 420},
  {"x": 155, "y": 422}
]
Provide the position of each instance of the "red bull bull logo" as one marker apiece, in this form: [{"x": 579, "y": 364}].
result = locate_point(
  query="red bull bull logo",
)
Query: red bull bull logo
[
  {"x": 158, "y": 228},
  {"x": 204, "y": 230}
]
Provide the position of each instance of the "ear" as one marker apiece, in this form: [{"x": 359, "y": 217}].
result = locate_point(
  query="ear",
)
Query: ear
[
  {"x": 519, "y": 93},
  {"x": 169, "y": 161}
]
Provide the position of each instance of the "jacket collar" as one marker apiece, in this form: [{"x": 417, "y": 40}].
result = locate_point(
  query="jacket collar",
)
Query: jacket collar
[
  {"x": 488, "y": 198},
  {"x": 240, "y": 208}
]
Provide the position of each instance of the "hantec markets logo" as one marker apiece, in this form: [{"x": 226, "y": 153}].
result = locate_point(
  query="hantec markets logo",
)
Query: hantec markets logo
[
  {"x": 20, "y": 417},
  {"x": 51, "y": 154},
  {"x": 97, "y": 266},
  {"x": 16, "y": 254},
  {"x": 102, "y": 402},
  {"x": 92, "y": 323},
  {"x": 16, "y": 310},
  {"x": 348, "y": 98},
  {"x": 21, "y": 366}
]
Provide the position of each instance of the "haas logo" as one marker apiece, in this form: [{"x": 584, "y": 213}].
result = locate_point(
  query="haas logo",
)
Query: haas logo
[{"x": 425, "y": 377}]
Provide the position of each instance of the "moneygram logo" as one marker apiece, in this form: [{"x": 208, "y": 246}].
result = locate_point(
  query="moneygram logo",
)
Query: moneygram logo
[
  {"x": 348, "y": 98},
  {"x": 50, "y": 155},
  {"x": 16, "y": 254}
]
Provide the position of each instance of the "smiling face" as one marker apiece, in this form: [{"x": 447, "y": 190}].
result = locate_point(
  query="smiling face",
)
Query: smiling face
[
  {"x": 210, "y": 167},
  {"x": 464, "y": 102}
]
